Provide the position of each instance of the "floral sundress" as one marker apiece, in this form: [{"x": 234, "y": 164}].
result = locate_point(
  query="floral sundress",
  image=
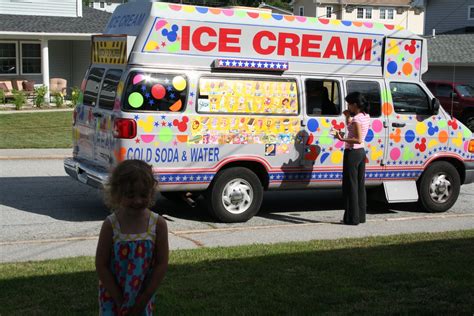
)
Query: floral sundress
[{"x": 131, "y": 259}]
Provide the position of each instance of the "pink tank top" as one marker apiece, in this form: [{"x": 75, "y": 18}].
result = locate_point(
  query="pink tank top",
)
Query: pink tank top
[{"x": 363, "y": 119}]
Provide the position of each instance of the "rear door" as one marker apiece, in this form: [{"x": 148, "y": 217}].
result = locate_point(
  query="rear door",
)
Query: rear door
[
  {"x": 104, "y": 141},
  {"x": 85, "y": 122}
]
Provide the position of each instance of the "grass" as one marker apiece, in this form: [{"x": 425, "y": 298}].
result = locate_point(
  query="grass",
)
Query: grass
[
  {"x": 405, "y": 274},
  {"x": 36, "y": 130}
]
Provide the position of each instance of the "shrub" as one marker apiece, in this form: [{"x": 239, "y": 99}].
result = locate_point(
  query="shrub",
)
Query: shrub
[
  {"x": 58, "y": 99},
  {"x": 75, "y": 95},
  {"x": 19, "y": 99},
  {"x": 40, "y": 93},
  {"x": 2, "y": 96}
]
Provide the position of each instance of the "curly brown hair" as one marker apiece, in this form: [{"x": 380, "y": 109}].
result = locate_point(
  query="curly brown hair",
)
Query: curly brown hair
[{"x": 125, "y": 177}]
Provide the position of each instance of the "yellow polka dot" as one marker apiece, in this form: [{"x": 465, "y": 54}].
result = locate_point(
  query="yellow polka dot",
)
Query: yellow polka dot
[{"x": 336, "y": 157}]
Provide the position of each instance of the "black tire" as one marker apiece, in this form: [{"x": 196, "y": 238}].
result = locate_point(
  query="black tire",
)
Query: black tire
[
  {"x": 243, "y": 191},
  {"x": 439, "y": 187}
]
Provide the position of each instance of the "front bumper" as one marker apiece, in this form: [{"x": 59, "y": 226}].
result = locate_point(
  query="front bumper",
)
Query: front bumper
[
  {"x": 469, "y": 166},
  {"x": 86, "y": 173}
]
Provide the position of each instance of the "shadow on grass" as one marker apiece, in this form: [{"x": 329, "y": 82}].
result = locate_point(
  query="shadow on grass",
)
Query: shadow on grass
[{"x": 429, "y": 277}]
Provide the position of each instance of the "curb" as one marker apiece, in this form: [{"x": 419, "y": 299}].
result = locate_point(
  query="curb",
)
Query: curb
[
  {"x": 39, "y": 157},
  {"x": 35, "y": 154},
  {"x": 35, "y": 111}
]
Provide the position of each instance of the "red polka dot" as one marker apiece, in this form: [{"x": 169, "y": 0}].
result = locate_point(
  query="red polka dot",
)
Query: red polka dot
[{"x": 158, "y": 91}]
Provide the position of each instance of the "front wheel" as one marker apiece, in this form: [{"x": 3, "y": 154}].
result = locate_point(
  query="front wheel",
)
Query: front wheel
[
  {"x": 235, "y": 195},
  {"x": 439, "y": 187}
]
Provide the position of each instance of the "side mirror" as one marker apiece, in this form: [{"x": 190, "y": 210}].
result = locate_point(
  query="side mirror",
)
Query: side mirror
[
  {"x": 453, "y": 95},
  {"x": 435, "y": 106}
]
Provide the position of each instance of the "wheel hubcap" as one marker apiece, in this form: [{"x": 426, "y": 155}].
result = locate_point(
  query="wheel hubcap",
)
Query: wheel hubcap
[
  {"x": 237, "y": 196},
  {"x": 440, "y": 188}
]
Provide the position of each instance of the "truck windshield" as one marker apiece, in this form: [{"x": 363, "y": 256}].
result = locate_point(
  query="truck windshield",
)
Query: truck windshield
[{"x": 466, "y": 90}]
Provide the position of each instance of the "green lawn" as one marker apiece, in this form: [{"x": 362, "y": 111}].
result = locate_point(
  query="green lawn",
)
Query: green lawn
[
  {"x": 406, "y": 274},
  {"x": 36, "y": 130}
]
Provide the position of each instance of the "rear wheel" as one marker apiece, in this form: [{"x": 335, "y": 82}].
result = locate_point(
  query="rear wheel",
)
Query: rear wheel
[
  {"x": 439, "y": 187},
  {"x": 235, "y": 195}
]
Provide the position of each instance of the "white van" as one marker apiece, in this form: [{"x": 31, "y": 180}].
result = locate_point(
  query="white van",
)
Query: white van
[{"x": 221, "y": 102}]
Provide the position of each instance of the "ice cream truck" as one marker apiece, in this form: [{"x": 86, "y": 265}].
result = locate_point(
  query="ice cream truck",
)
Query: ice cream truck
[{"x": 229, "y": 103}]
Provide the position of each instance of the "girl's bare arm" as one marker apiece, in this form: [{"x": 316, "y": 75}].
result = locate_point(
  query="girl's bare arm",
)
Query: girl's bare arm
[{"x": 102, "y": 263}]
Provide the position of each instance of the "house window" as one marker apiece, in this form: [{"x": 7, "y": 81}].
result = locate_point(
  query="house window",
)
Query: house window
[
  {"x": 301, "y": 11},
  {"x": 390, "y": 14},
  {"x": 386, "y": 14},
  {"x": 328, "y": 12},
  {"x": 102, "y": 5},
  {"x": 470, "y": 12},
  {"x": 368, "y": 13},
  {"x": 364, "y": 13},
  {"x": 8, "y": 55},
  {"x": 30, "y": 58}
]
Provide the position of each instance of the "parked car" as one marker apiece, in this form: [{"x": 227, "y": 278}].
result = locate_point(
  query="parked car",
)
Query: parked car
[{"x": 456, "y": 98}]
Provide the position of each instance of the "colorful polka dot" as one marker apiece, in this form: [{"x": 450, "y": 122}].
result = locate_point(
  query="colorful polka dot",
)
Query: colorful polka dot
[
  {"x": 135, "y": 100},
  {"x": 395, "y": 153},
  {"x": 158, "y": 91}
]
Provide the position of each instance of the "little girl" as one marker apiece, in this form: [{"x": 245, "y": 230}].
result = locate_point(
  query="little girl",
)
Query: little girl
[{"x": 132, "y": 252}]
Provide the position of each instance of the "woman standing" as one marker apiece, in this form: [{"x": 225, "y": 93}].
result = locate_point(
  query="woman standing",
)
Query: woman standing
[{"x": 353, "y": 171}]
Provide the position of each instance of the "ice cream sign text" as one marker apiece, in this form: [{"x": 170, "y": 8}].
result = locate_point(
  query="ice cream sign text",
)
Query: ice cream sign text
[{"x": 230, "y": 39}]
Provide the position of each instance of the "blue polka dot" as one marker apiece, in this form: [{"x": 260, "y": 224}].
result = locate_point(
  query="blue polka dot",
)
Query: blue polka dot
[
  {"x": 347, "y": 23},
  {"x": 324, "y": 157},
  {"x": 277, "y": 17},
  {"x": 202, "y": 9},
  {"x": 409, "y": 136},
  {"x": 313, "y": 125},
  {"x": 369, "y": 136},
  {"x": 392, "y": 67}
]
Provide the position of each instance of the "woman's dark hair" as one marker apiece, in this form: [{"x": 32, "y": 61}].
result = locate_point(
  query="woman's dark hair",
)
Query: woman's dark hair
[
  {"x": 124, "y": 179},
  {"x": 358, "y": 99}
]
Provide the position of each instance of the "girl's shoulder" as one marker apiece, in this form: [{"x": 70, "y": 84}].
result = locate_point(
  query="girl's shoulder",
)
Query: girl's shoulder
[{"x": 159, "y": 222}]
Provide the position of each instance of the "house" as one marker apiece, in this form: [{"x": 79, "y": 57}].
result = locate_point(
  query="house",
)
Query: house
[
  {"x": 274, "y": 9},
  {"x": 450, "y": 28},
  {"x": 450, "y": 58},
  {"x": 449, "y": 16},
  {"x": 107, "y": 6},
  {"x": 406, "y": 13},
  {"x": 42, "y": 40}
]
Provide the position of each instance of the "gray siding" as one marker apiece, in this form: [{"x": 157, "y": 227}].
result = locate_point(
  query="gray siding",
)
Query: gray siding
[
  {"x": 81, "y": 56},
  {"x": 60, "y": 60},
  {"x": 461, "y": 74},
  {"x": 446, "y": 15},
  {"x": 40, "y": 7}
]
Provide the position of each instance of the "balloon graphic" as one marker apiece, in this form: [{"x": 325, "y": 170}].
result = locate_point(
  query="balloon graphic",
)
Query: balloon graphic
[
  {"x": 135, "y": 100},
  {"x": 179, "y": 83},
  {"x": 138, "y": 78},
  {"x": 158, "y": 91}
]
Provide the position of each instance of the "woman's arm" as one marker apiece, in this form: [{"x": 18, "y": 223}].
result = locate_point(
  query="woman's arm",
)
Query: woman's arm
[
  {"x": 357, "y": 139},
  {"x": 102, "y": 263},
  {"x": 159, "y": 268}
]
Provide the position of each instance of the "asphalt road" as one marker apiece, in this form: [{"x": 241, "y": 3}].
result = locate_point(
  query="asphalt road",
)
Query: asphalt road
[{"x": 44, "y": 214}]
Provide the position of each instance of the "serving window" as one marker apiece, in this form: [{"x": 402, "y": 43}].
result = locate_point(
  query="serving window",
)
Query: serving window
[{"x": 247, "y": 96}]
